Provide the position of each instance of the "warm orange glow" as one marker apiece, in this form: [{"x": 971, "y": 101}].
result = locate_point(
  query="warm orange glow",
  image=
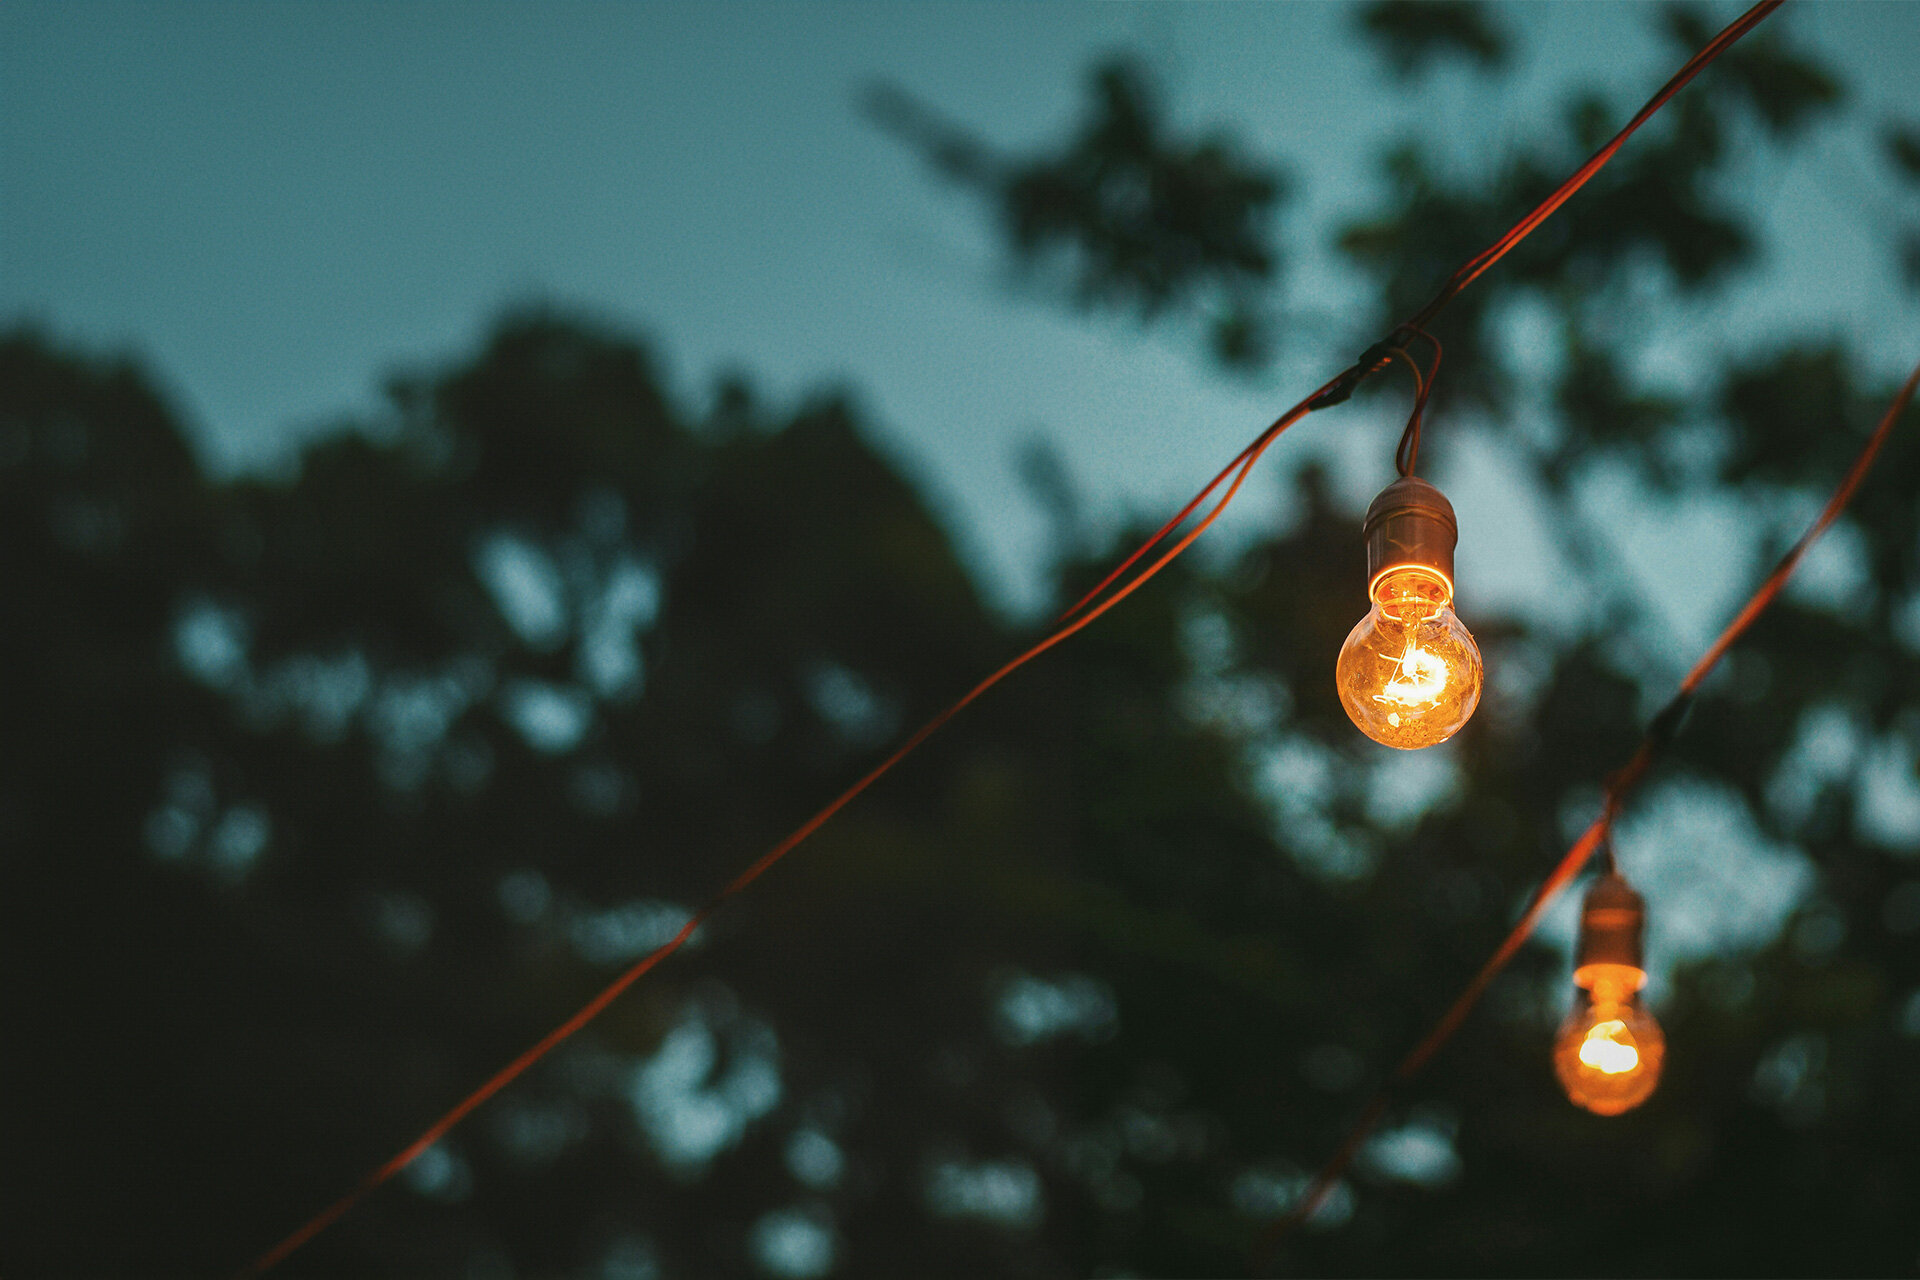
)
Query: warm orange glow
[
  {"x": 1409, "y": 673},
  {"x": 1419, "y": 679},
  {"x": 1609, "y": 1050}
]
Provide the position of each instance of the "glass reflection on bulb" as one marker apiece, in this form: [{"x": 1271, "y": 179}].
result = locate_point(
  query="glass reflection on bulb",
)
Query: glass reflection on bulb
[
  {"x": 1609, "y": 1050},
  {"x": 1409, "y": 674}
]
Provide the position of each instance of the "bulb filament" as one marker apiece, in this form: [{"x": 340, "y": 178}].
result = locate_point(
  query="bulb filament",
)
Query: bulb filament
[
  {"x": 1608, "y": 1048},
  {"x": 1419, "y": 679}
]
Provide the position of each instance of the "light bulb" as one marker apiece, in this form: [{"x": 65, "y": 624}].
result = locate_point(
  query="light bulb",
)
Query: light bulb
[
  {"x": 1609, "y": 1050},
  {"x": 1409, "y": 674}
]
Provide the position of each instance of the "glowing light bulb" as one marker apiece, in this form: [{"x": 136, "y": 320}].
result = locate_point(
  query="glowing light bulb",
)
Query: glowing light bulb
[
  {"x": 1609, "y": 1051},
  {"x": 1409, "y": 674}
]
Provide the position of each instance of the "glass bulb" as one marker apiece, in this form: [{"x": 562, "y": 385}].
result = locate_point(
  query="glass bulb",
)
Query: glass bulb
[
  {"x": 1609, "y": 1050},
  {"x": 1409, "y": 674}
]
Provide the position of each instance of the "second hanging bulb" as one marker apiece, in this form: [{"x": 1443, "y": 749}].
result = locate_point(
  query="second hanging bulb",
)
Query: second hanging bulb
[{"x": 1409, "y": 674}]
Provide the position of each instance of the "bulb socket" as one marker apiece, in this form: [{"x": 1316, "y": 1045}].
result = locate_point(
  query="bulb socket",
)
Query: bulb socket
[
  {"x": 1410, "y": 525},
  {"x": 1613, "y": 923}
]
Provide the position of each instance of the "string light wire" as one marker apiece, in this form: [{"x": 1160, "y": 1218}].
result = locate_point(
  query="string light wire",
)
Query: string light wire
[
  {"x": 1406, "y": 456},
  {"x": 1239, "y": 469},
  {"x": 1081, "y": 614},
  {"x": 1661, "y": 731},
  {"x": 1499, "y": 249}
]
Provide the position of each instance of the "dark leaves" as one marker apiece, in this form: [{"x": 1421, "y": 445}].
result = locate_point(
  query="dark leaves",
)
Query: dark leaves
[
  {"x": 1902, "y": 142},
  {"x": 1784, "y": 87},
  {"x": 1786, "y": 412},
  {"x": 1414, "y": 35},
  {"x": 1604, "y": 412},
  {"x": 1144, "y": 218},
  {"x": 1126, "y": 214}
]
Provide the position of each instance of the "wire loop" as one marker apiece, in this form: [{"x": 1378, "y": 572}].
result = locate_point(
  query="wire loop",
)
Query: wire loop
[{"x": 1406, "y": 455}]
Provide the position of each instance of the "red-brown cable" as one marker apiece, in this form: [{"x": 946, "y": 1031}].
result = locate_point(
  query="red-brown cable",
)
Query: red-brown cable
[
  {"x": 506, "y": 1075},
  {"x": 1467, "y": 274},
  {"x": 1331, "y": 393},
  {"x": 1659, "y": 733}
]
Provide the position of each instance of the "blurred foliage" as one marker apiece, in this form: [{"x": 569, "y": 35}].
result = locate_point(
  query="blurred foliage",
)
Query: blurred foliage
[
  {"x": 1413, "y": 35},
  {"x": 1903, "y": 148},
  {"x": 1902, "y": 143},
  {"x": 1124, "y": 214},
  {"x": 325, "y": 796},
  {"x": 1786, "y": 89}
]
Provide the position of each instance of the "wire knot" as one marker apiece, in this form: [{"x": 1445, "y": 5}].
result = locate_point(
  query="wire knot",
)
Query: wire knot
[{"x": 1371, "y": 361}]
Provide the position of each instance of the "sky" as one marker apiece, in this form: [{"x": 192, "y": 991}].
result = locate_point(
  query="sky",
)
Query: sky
[{"x": 277, "y": 205}]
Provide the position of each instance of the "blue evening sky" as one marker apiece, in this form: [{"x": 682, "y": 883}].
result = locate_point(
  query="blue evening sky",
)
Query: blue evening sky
[{"x": 276, "y": 204}]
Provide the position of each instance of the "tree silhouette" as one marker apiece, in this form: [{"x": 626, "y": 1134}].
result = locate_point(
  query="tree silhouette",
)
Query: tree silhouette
[{"x": 324, "y": 796}]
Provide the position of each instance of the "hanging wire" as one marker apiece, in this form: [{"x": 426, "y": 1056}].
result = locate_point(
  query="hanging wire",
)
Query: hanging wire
[
  {"x": 1407, "y": 455},
  {"x": 1419, "y": 378},
  {"x": 1499, "y": 249},
  {"x": 1079, "y": 615},
  {"x": 1240, "y": 468},
  {"x": 1608, "y": 864},
  {"x": 1660, "y": 733}
]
